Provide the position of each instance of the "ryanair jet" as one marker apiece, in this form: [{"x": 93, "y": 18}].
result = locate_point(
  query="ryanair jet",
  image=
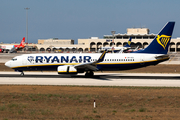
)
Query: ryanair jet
[
  {"x": 155, "y": 53},
  {"x": 118, "y": 49}
]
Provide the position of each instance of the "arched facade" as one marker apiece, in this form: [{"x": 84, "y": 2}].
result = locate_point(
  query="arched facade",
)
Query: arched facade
[
  {"x": 94, "y": 45},
  {"x": 124, "y": 43},
  {"x": 54, "y": 49},
  {"x": 172, "y": 47},
  {"x": 42, "y": 49},
  {"x": 99, "y": 45},
  {"x": 139, "y": 45},
  {"x": 48, "y": 49},
  {"x": 112, "y": 44},
  {"x": 74, "y": 50},
  {"x": 118, "y": 44},
  {"x": 67, "y": 50},
  {"x": 86, "y": 50},
  {"x": 80, "y": 50},
  {"x": 105, "y": 44},
  {"x": 61, "y": 49},
  {"x": 133, "y": 45},
  {"x": 178, "y": 47},
  {"x": 145, "y": 44}
]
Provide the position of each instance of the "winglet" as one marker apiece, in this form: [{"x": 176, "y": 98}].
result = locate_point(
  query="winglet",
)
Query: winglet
[{"x": 101, "y": 58}]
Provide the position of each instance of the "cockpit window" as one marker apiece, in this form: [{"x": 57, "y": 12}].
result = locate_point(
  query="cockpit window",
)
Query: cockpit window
[{"x": 14, "y": 59}]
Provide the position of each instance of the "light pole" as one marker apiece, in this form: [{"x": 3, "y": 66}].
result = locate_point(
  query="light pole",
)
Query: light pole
[
  {"x": 113, "y": 32},
  {"x": 27, "y": 24}
]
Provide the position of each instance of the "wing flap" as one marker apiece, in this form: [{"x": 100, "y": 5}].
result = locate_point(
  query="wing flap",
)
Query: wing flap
[{"x": 13, "y": 50}]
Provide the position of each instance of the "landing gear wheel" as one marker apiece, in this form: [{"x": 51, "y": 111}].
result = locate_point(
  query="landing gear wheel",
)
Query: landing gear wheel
[
  {"x": 22, "y": 74},
  {"x": 89, "y": 74}
]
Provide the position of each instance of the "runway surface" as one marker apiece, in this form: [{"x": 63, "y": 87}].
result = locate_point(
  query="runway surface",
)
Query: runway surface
[{"x": 100, "y": 79}]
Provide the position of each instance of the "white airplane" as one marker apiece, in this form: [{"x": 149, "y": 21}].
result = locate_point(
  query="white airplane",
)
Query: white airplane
[
  {"x": 13, "y": 48},
  {"x": 118, "y": 49},
  {"x": 155, "y": 53}
]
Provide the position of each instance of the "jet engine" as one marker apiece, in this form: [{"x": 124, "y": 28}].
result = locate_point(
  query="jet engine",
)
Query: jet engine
[{"x": 66, "y": 70}]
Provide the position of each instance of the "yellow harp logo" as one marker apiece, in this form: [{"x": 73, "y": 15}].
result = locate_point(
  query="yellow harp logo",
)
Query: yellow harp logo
[
  {"x": 163, "y": 40},
  {"x": 129, "y": 42}
]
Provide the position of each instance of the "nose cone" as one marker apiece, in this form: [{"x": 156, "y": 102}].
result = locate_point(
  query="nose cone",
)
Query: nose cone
[{"x": 8, "y": 64}]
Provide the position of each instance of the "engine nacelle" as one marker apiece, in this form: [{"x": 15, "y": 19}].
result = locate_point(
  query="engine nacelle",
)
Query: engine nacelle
[{"x": 66, "y": 70}]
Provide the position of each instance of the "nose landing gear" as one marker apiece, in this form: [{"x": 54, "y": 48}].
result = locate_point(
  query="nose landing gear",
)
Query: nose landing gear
[{"x": 22, "y": 73}]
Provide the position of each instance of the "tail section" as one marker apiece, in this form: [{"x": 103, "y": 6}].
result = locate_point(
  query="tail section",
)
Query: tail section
[
  {"x": 23, "y": 41},
  {"x": 129, "y": 43},
  {"x": 161, "y": 42}
]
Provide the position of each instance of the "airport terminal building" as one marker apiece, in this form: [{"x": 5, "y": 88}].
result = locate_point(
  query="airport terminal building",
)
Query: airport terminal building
[{"x": 140, "y": 38}]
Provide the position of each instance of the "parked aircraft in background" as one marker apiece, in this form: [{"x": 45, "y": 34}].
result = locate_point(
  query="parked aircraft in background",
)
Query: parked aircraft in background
[
  {"x": 155, "y": 53},
  {"x": 129, "y": 50},
  {"x": 13, "y": 48},
  {"x": 117, "y": 49}
]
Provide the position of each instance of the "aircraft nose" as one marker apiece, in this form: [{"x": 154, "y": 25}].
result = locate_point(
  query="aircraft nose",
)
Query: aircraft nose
[{"x": 8, "y": 64}]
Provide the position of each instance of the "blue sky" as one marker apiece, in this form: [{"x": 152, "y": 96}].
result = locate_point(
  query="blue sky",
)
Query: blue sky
[{"x": 73, "y": 19}]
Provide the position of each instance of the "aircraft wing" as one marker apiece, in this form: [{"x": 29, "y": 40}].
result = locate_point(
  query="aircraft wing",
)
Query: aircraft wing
[
  {"x": 13, "y": 50},
  {"x": 91, "y": 65}
]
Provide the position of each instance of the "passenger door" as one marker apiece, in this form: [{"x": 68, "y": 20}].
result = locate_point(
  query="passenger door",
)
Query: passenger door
[{"x": 142, "y": 60}]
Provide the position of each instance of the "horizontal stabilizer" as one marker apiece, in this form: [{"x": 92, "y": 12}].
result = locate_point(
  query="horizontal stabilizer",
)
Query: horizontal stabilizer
[{"x": 162, "y": 56}]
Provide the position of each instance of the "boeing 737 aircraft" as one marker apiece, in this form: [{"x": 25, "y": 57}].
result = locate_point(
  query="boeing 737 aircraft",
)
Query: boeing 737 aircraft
[{"x": 155, "y": 53}]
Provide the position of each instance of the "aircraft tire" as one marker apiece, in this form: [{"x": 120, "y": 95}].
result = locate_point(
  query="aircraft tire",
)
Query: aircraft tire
[{"x": 89, "y": 74}]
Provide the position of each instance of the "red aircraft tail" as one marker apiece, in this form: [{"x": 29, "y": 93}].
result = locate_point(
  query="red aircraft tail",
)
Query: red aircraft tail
[{"x": 23, "y": 41}]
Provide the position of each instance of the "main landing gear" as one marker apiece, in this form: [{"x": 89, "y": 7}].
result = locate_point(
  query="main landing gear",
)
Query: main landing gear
[{"x": 89, "y": 74}]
